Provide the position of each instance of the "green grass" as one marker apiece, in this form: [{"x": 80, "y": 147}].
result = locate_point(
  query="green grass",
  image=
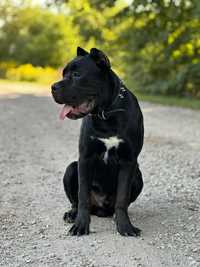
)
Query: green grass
[{"x": 170, "y": 100}]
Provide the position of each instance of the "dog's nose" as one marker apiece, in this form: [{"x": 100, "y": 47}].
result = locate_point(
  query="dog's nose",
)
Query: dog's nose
[{"x": 54, "y": 87}]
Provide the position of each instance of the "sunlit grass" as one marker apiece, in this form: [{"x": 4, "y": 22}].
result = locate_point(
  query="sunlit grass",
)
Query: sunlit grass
[{"x": 170, "y": 100}]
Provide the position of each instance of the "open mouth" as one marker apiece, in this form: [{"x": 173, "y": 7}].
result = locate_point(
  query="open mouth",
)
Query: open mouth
[{"x": 76, "y": 112}]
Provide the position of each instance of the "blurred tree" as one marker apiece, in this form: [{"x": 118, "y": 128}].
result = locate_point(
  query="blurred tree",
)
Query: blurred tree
[
  {"x": 164, "y": 46},
  {"x": 100, "y": 24},
  {"x": 37, "y": 36},
  {"x": 154, "y": 44}
]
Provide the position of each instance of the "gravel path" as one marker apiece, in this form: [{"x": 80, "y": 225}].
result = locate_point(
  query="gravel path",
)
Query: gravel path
[{"x": 35, "y": 148}]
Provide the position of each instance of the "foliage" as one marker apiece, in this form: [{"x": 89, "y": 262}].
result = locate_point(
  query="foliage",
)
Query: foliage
[
  {"x": 165, "y": 47},
  {"x": 37, "y": 36},
  {"x": 29, "y": 73},
  {"x": 5, "y": 66},
  {"x": 154, "y": 45}
]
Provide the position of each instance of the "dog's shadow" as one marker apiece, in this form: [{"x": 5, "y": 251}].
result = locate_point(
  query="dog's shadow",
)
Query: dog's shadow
[
  {"x": 155, "y": 219},
  {"x": 161, "y": 218}
]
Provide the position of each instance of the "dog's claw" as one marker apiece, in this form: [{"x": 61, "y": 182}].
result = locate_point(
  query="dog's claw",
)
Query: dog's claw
[
  {"x": 69, "y": 216},
  {"x": 128, "y": 230},
  {"x": 138, "y": 231},
  {"x": 78, "y": 229}
]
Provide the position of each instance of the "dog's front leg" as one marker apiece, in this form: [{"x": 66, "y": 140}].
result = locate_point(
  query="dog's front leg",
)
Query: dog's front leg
[
  {"x": 81, "y": 225},
  {"x": 126, "y": 174}
]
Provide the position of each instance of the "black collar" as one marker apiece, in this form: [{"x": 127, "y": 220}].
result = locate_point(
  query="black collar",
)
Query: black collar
[{"x": 105, "y": 114}]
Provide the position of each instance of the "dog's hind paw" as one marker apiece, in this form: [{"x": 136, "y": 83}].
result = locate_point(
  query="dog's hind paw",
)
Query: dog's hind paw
[{"x": 70, "y": 216}]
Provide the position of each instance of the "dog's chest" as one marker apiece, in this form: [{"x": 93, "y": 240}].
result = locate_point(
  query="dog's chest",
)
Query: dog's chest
[{"x": 110, "y": 143}]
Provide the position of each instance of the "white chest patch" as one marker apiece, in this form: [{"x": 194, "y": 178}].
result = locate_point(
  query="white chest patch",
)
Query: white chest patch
[{"x": 109, "y": 143}]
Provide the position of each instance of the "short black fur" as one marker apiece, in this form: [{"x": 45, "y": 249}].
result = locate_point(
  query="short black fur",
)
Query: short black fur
[{"x": 106, "y": 178}]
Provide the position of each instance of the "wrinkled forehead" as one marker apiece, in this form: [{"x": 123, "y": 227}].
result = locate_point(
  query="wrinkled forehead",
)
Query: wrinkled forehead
[{"x": 82, "y": 64}]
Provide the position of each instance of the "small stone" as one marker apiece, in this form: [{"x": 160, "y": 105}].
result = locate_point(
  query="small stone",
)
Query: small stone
[
  {"x": 53, "y": 255},
  {"x": 47, "y": 245},
  {"x": 41, "y": 231},
  {"x": 28, "y": 260}
]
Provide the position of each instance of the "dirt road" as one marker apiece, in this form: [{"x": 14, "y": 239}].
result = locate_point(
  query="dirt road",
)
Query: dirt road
[{"x": 35, "y": 148}]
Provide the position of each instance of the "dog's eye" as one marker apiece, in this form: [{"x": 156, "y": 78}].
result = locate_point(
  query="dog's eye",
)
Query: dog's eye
[{"x": 75, "y": 74}]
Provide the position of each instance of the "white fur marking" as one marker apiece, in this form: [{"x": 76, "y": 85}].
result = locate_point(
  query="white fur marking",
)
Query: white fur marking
[{"x": 110, "y": 142}]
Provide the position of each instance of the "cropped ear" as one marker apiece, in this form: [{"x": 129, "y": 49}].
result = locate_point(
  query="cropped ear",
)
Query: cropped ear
[
  {"x": 81, "y": 52},
  {"x": 100, "y": 58}
]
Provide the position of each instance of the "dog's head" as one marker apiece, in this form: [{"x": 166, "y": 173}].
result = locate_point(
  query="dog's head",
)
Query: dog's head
[{"x": 84, "y": 85}]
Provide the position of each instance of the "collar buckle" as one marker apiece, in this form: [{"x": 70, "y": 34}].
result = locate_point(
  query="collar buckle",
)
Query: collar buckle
[{"x": 101, "y": 115}]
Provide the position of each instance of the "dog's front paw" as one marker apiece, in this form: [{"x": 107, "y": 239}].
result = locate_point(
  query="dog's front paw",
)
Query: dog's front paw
[
  {"x": 124, "y": 226},
  {"x": 80, "y": 227},
  {"x": 127, "y": 229}
]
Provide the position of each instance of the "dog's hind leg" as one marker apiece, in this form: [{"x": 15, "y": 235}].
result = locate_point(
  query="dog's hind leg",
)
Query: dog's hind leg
[
  {"x": 137, "y": 185},
  {"x": 70, "y": 181}
]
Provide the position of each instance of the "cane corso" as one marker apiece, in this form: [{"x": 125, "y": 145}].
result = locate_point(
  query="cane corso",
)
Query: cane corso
[{"x": 106, "y": 179}]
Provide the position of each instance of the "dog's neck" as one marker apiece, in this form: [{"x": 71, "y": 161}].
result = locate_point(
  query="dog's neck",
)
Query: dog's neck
[{"x": 108, "y": 108}]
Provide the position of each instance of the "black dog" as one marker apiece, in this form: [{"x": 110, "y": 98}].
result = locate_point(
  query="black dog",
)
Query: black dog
[{"x": 106, "y": 178}]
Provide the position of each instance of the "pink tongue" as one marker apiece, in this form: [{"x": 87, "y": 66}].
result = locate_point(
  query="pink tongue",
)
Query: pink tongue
[{"x": 65, "y": 110}]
